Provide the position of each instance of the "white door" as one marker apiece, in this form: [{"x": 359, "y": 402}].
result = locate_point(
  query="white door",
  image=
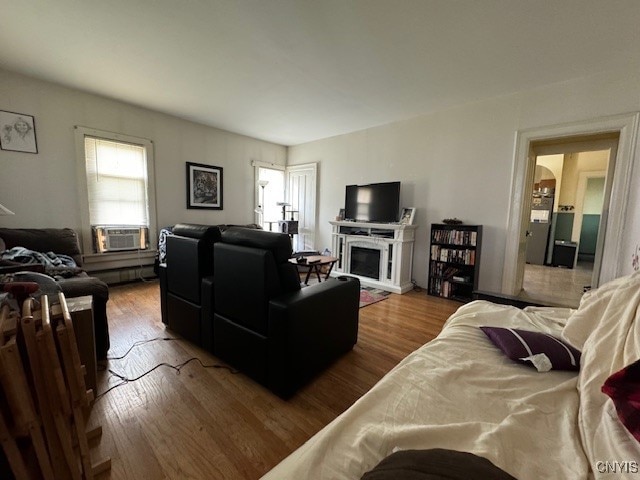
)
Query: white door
[{"x": 301, "y": 194}]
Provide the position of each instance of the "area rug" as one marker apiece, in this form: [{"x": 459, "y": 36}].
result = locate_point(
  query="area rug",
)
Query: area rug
[{"x": 371, "y": 295}]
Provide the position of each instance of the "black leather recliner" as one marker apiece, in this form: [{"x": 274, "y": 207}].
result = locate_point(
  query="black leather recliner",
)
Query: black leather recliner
[
  {"x": 265, "y": 324},
  {"x": 186, "y": 282}
]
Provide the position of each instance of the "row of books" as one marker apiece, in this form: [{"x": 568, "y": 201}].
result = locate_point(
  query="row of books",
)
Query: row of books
[
  {"x": 453, "y": 255},
  {"x": 442, "y": 288},
  {"x": 448, "y": 272},
  {"x": 455, "y": 237}
]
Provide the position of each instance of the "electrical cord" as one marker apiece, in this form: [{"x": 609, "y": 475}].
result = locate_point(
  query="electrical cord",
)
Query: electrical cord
[
  {"x": 141, "y": 342},
  {"x": 125, "y": 380}
]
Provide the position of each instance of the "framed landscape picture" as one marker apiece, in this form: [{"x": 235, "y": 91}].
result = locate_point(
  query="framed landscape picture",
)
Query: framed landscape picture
[
  {"x": 204, "y": 186},
  {"x": 17, "y": 132}
]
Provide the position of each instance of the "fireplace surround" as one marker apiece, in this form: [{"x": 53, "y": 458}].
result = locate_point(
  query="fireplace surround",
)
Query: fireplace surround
[{"x": 379, "y": 254}]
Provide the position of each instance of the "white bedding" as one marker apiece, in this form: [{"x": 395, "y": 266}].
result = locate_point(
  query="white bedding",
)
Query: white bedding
[{"x": 458, "y": 392}]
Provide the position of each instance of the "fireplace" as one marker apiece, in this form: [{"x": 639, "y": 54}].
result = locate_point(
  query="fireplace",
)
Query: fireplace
[{"x": 365, "y": 262}]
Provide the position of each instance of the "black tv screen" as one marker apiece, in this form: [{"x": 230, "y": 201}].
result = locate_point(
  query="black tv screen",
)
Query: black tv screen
[{"x": 376, "y": 202}]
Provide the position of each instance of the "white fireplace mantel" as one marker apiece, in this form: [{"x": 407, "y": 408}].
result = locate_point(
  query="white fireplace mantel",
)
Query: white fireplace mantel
[{"x": 389, "y": 247}]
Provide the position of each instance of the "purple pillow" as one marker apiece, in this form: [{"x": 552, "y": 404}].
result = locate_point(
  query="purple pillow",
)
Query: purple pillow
[{"x": 541, "y": 350}]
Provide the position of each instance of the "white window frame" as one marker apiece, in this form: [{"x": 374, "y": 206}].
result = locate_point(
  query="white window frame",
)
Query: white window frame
[{"x": 110, "y": 260}]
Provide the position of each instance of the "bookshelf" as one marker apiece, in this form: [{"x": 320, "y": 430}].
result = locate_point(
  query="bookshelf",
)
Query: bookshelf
[{"x": 454, "y": 261}]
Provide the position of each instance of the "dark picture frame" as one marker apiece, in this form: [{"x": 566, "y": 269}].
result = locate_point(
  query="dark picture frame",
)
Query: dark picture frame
[
  {"x": 18, "y": 132},
  {"x": 204, "y": 186}
]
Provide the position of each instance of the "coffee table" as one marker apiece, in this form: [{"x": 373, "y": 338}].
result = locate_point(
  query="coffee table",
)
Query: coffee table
[{"x": 313, "y": 263}]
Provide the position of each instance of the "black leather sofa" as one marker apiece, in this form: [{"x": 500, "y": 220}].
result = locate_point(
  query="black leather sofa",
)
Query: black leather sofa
[
  {"x": 265, "y": 324},
  {"x": 79, "y": 283},
  {"x": 186, "y": 282}
]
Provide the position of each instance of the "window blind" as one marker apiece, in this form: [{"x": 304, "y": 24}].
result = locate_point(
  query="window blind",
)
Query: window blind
[{"x": 116, "y": 182}]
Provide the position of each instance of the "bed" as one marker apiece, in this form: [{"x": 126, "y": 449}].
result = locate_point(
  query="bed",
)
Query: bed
[{"x": 460, "y": 392}]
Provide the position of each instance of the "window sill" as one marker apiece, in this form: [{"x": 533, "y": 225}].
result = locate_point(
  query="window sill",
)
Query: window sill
[{"x": 95, "y": 262}]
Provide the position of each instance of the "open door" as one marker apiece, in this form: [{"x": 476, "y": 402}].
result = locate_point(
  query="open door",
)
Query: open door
[
  {"x": 621, "y": 128},
  {"x": 301, "y": 195}
]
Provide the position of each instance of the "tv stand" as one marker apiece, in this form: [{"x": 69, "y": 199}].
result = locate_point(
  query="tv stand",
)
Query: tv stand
[{"x": 379, "y": 254}]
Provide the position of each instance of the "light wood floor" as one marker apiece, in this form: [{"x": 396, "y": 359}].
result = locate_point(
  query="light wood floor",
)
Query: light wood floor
[
  {"x": 556, "y": 285},
  {"x": 213, "y": 424}
]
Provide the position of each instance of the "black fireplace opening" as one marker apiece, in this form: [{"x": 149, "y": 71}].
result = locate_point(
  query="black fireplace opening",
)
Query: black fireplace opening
[{"x": 365, "y": 262}]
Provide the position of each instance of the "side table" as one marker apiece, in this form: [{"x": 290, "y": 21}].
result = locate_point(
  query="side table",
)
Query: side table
[{"x": 313, "y": 263}]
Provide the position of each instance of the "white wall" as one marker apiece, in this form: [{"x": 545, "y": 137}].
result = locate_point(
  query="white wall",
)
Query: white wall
[
  {"x": 458, "y": 163},
  {"x": 42, "y": 189}
]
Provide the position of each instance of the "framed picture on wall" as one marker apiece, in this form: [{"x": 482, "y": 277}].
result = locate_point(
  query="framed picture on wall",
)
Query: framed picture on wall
[
  {"x": 17, "y": 132},
  {"x": 204, "y": 186},
  {"x": 407, "y": 215}
]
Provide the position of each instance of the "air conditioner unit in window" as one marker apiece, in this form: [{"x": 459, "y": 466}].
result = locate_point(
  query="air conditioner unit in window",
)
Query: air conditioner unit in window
[{"x": 111, "y": 238}]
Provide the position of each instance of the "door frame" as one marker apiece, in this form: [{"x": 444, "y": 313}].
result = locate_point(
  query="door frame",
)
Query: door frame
[{"x": 626, "y": 125}]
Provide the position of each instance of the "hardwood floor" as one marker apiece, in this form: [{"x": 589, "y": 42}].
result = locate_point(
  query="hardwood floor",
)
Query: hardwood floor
[{"x": 210, "y": 423}]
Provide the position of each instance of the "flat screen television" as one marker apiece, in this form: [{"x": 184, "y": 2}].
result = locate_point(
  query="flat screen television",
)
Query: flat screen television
[{"x": 376, "y": 202}]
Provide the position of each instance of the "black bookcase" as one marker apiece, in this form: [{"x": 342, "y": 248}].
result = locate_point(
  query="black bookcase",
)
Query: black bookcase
[{"x": 454, "y": 261}]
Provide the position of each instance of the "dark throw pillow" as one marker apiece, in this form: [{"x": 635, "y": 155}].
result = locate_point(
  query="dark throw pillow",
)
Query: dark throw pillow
[
  {"x": 435, "y": 464},
  {"x": 541, "y": 350},
  {"x": 624, "y": 389}
]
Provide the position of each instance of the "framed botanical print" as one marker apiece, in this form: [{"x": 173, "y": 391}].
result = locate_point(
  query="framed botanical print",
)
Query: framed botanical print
[{"x": 204, "y": 186}]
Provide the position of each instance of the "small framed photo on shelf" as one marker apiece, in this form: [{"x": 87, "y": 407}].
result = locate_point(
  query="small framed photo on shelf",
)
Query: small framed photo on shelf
[
  {"x": 340, "y": 215},
  {"x": 407, "y": 215},
  {"x": 204, "y": 186},
  {"x": 17, "y": 132}
]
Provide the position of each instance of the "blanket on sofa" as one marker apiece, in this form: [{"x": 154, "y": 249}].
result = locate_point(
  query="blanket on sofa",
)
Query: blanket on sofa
[{"x": 55, "y": 264}]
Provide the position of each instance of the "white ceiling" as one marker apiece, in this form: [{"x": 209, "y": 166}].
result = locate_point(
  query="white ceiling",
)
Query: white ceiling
[{"x": 293, "y": 71}]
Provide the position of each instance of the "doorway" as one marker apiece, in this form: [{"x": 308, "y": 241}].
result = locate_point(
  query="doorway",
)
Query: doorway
[
  {"x": 567, "y": 206},
  {"x": 607, "y": 263},
  {"x": 287, "y": 194}
]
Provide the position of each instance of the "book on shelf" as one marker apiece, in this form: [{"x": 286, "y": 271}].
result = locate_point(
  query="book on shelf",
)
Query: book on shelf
[
  {"x": 461, "y": 278},
  {"x": 455, "y": 237}
]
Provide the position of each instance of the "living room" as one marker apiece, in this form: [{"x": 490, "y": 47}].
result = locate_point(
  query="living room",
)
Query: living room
[{"x": 455, "y": 156}]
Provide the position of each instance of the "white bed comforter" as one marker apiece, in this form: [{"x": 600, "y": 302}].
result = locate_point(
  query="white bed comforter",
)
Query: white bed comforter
[{"x": 458, "y": 392}]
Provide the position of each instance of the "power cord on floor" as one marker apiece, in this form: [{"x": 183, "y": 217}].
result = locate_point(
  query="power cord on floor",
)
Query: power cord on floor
[
  {"x": 141, "y": 342},
  {"x": 177, "y": 368}
]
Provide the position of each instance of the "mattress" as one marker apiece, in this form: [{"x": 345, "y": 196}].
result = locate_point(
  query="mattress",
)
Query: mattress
[{"x": 459, "y": 392}]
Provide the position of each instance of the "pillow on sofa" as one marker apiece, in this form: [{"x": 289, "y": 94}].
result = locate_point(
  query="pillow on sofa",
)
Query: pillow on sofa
[
  {"x": 623, "y": 387},
  {"x": 545, "y": 352},
  {"x": 435, "y": 464}
]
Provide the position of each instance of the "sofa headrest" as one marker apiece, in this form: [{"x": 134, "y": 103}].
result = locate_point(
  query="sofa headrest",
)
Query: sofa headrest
[
  {"x": 56, "y": 240},
  {"x": 200, "y": 232},
  {"x": 278, "y": 243}
]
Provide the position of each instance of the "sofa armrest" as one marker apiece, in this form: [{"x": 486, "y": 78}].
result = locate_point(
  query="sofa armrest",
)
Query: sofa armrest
[{"x": 310, "y": 328}]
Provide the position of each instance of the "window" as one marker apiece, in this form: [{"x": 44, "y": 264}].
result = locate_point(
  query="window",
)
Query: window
[
  {"x": 115, "y": 175},
  {"x": 116, "y": 183}
]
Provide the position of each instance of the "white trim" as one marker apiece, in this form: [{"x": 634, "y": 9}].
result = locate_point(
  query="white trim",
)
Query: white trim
[
  {"x": 274, "y": 166},
  {"x": 522, "y": 172},
  {"x": 85, "y": 234}
]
